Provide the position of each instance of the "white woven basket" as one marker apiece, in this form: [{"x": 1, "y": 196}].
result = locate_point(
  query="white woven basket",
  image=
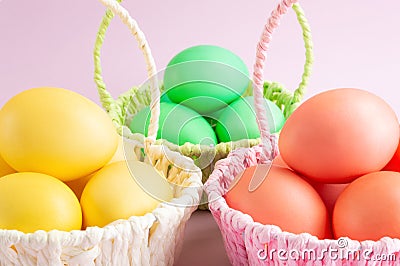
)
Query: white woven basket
[{"x": 152, "y": 239}]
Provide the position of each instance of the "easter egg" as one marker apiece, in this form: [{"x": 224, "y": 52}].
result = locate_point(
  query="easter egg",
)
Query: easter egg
[
  {"x": 121, "y": 190},
  {"x": 5, "y": 169},
  {"x": 238, "y": 120},
  {"x": 56, "y": 132},
  {"x": 278, "y": 196},
  {"x": 394, "y": 163},
  {"x": 205, "y": 78},
  {"x": 34, "y": 201},
  {"x": 215, "y": 115},
  {"x": 77, "y": 185},
  {"x": 369, "y": 208},
  {"x": 212, "y": 118},
  {"x": 125, "y": 151},
  {"x": 339, "y": 135},
  {"x": 164, "y": 98},
  {"x": 329, "y": 193},
  {"x": 177, "y": 124},
  {"x": 279, "y": 161}
]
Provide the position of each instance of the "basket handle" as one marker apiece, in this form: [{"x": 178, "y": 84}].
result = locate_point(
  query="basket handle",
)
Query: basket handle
[
  {"x": 258, "y": 76},
  {"x": 276, "y": 91},
  {"x": 108, "y": 102}
]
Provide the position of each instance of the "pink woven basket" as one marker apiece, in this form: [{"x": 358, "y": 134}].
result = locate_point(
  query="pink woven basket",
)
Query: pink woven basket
[{"x": 251, "y": 243}]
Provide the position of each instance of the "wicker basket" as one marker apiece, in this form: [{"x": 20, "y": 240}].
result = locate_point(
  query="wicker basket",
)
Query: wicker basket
[
  {"x": 132, "y": 101},
  {"x": 251, "y": 243},
  {"x": 152, "y": 239}
]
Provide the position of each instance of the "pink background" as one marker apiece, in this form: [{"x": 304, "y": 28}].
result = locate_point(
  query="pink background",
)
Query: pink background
[{"x": 49, "y": 43}]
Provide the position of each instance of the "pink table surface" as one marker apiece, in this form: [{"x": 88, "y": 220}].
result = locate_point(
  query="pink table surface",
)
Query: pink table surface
[{"x": 203, "y": 244}]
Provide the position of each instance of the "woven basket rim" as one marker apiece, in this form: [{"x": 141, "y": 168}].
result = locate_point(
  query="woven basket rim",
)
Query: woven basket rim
[
  {"x": 234, "y": 144},
  {"x": 150, "y": 218},
  {"x": 217, "y": 203}
]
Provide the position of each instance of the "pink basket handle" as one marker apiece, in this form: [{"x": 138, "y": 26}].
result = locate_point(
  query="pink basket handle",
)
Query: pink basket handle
[
  {"x": 258, "y": 76},
  {"x": 119, "y": 10}
]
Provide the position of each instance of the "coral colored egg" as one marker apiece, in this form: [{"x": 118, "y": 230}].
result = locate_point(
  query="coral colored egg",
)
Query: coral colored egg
[
  {"x": 394, "y": 163},
  {"x": 329, "y": 193},
  {"x": 369, "y": 208},
  {"x": 278, "y": 161},
  {"x": 328, "y": 230},
  {"x": 339, "y": 135},
  {"x": 279, "y": 197}
]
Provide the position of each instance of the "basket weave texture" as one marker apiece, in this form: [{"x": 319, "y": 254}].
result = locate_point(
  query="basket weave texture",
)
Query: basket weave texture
[
  {"x": 153, "y": 239},
  {"x": 250, "y": 243},
  {"x": 132, "y": 101}
]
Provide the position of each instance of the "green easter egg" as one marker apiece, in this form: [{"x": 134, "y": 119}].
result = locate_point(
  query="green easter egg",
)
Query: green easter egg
[
  {"x": 238, "y": 120},
  {"x": 205, "y": 78},
  {"x": 177, "y": 124},
  {"x": 164, "y": 98},
  {"x": 212, "y": 118},
  {"x": 211, "y": 121},
  {"x": 215, "y": 115}
]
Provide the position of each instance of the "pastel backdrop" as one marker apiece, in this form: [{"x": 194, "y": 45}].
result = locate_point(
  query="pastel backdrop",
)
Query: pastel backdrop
[{"x": 50, "y": 43}]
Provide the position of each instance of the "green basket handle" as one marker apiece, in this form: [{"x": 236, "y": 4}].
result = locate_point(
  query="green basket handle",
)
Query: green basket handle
[
  {"x": 276, "y": 92},
  {"x": 106, "y": 99}
]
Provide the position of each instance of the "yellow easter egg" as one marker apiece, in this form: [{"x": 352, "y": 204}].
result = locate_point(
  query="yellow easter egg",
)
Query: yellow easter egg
[
  {"x": 121, "y": 190},
  {"x": 56, "y": 132},
  {"x": 125, "y": 151},
  {"x": 77, "y": 185},
  {"x": 5, "y": 169},
  {"x": 33, "y": 201}
]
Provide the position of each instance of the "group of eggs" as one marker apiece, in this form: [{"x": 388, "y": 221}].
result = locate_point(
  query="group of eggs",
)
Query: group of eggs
[
  {"x": 203, "y": 102},
  {"x": 337, "y": 173},
  {"x": 63, "y": 166}
]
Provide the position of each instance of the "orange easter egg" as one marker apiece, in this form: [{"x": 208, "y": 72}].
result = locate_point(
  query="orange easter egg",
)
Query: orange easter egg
[
  {"x": 278, "y": 161},
  {"x": 394, "y": 163},
  {"x": 338, "y": 135},
  {"x": 329, "y": 193},
  {"x": 369, "y": 208},
  {"x": 278, "y": 196}
]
